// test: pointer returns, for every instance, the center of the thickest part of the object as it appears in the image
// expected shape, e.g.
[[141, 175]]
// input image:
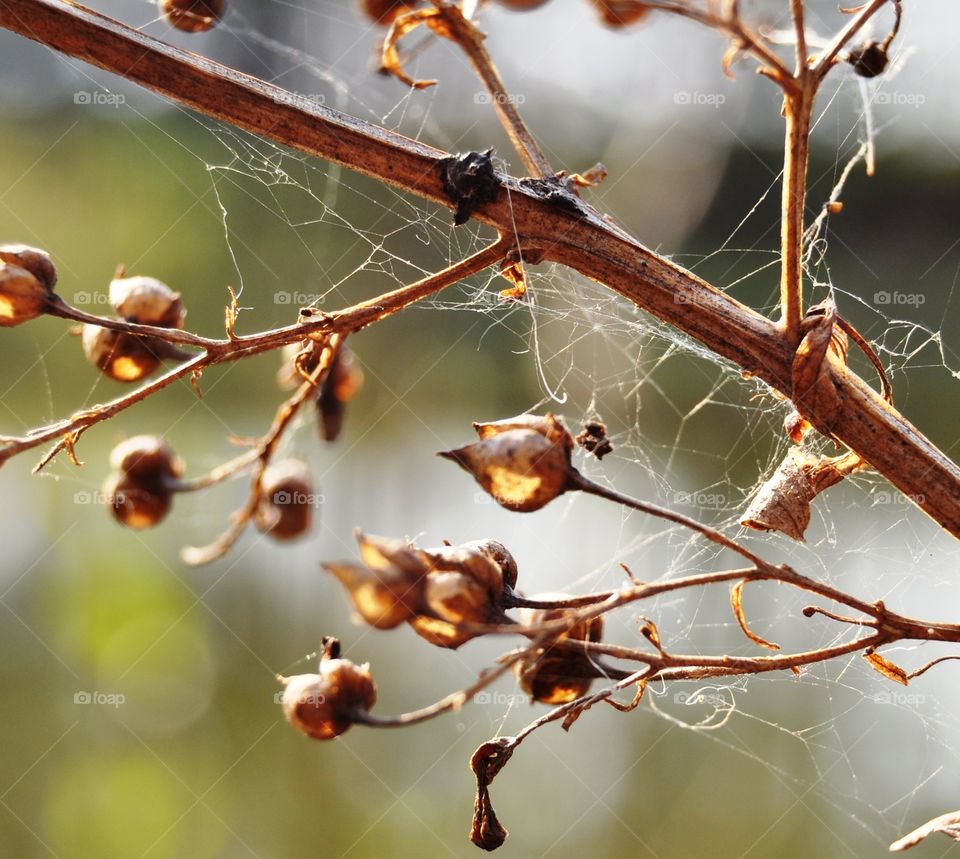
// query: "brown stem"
[[577, 237], [798, 109]]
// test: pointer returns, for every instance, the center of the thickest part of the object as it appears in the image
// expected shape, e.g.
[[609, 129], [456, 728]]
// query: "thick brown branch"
[[571, 234]]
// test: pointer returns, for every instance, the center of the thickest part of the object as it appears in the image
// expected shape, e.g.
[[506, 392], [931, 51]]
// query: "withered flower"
[[523, 463], [326, 704]]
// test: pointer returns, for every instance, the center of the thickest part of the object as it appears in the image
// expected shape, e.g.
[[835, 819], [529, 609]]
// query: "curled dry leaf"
[[883, 666], [813, 388], [514, 273], [948, 824], [736, 602], [593, 439], [783, 502], [523, 463], [400, 26], [487, 832]]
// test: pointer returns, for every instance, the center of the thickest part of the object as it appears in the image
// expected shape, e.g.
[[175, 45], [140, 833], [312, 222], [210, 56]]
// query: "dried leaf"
[[515, 274], [589, 179], [783, 502], [736, 602], [487, 832], [391, 62], [637, 698], [885, 667], [650, 632], [948, 824], [813, 390]]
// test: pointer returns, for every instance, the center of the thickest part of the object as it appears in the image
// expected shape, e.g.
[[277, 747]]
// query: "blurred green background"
[[138, 708]]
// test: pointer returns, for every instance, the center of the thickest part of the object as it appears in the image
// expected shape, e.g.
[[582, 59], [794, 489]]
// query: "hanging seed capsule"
[[34, 260], [22, 296], [193, 16], [384, 12], [340, 385], [140, 491], [326, 704], [523, 463], [146, 301], [286, 500], [123, 357], [558, 676]]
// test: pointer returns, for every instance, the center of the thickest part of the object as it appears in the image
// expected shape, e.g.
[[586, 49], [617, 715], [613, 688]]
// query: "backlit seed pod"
[[146, 457], [286, 500], [620, 13], [521, 5], [22, 296], [523, 462], [34, 260], [140, 491], [193, 16], [146, 301], [135, 503], [326, 704], [558, 676], [123, 357], [341, 384], [869, 60], [384, 12]]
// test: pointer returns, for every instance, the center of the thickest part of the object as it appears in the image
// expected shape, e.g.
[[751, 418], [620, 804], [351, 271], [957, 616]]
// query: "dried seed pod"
[[869, 60], [140, 491], [434, 590], [385, 12], [123, 357], [134, 503], [523, 462], [193, 16], [146, 457], [521, 5], [146, 301], [326, 704], [286, 500], [558, 676], [22, 296], [621, 13], [34, 260], [387, 588], [341, 384]]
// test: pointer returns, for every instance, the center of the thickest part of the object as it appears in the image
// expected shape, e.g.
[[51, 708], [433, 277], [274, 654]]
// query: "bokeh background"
[[138, 713]]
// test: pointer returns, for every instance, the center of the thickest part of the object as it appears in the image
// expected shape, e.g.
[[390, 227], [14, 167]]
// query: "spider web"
[[688, 431]]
